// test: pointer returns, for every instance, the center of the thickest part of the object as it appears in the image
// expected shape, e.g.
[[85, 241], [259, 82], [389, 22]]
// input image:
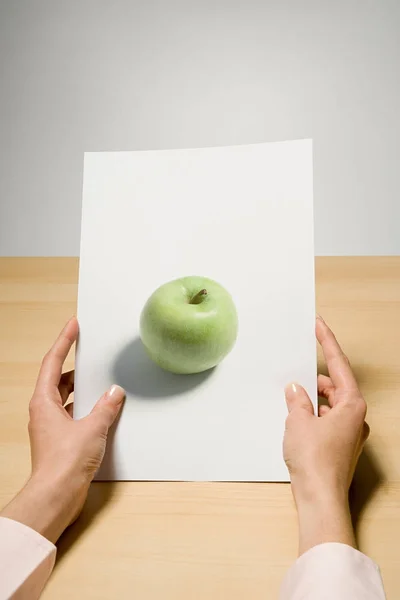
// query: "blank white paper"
[[243, 216]]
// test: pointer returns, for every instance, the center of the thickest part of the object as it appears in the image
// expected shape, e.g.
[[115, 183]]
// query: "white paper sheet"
[[243, 216]]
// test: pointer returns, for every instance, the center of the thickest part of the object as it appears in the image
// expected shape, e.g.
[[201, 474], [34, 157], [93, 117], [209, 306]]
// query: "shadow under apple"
[[141, 377]]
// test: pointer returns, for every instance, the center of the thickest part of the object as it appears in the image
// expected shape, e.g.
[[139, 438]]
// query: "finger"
[[297, 397], [326, 389], [323, 410], [107, 408], [70, 409], [338, 365], [66, 386], [51, 369]]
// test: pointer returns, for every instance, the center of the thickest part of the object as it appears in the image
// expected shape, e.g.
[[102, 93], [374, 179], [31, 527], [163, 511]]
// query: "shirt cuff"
[[331, 571], [26, 560]]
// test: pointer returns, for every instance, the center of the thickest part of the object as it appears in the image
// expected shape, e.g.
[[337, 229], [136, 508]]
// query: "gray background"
[[126, 75]]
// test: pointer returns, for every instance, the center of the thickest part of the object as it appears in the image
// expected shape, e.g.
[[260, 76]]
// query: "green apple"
[[189, 325]]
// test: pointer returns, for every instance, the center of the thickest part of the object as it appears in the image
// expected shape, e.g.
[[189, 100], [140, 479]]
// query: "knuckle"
[[346, 359], [46, 357], [289, 463], [32, 425], [102, 426], [296, 418], [96, 426], [47, 361], [288, 421], [33, 406], [361, 406]]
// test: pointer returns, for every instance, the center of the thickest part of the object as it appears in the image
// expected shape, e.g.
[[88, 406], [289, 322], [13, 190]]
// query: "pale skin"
[[65, 453], [321, 451]]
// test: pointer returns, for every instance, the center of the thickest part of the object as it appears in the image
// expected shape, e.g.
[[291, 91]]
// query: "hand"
[[322, 452], [65, 453]]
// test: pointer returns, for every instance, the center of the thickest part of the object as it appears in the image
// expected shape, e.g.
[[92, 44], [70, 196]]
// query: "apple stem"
[[199, 297]]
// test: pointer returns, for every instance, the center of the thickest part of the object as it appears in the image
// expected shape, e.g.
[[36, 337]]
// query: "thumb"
[[106, 410], [297, 397]]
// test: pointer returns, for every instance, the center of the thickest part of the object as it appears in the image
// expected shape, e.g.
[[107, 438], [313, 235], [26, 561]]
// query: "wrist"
[[324, 518], [63, 499], [47, 505], [318, 491]]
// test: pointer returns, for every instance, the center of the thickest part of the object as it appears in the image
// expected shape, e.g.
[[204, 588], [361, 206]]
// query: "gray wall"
[[125, 75]]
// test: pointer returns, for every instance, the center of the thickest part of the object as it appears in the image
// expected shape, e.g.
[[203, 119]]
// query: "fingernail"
[[320, 318], [291, 388], [116, 390]]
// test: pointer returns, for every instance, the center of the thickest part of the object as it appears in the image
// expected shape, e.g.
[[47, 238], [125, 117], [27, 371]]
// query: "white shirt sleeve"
[[26, 561], [333, 572]]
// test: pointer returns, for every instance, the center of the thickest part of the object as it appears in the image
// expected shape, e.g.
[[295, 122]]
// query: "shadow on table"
[[369, 475], [368, 478], [100, 494], [141, 377]]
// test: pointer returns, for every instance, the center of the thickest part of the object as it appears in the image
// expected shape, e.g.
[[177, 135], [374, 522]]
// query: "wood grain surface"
[[206, 540]]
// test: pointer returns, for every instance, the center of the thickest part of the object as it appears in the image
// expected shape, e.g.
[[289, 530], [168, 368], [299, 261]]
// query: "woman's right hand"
[[322, 452], [66, 453]]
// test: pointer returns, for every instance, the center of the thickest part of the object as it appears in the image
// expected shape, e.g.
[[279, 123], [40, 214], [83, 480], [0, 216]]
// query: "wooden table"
[[193, 540]]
